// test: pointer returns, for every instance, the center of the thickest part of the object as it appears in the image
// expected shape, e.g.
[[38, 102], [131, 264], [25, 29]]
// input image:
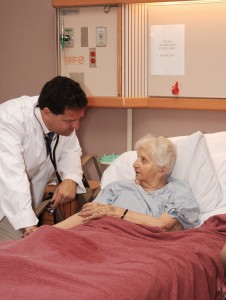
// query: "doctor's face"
[[65, 123]]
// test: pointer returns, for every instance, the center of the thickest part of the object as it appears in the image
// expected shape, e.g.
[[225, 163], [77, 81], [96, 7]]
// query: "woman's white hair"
[[161, 149]]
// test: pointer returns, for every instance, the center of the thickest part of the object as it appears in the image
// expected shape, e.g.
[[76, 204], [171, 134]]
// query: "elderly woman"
[[152, 199]]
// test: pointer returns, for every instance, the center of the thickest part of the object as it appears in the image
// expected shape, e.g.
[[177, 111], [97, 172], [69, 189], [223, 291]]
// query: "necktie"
[[49, 138]]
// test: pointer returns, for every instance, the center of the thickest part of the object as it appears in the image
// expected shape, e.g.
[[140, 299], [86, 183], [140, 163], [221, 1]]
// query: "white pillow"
[[204, 216], [193, 166], [216, 143], [121, 168]]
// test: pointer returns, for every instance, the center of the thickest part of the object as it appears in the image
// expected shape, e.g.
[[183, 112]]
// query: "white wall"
[[28, 51]]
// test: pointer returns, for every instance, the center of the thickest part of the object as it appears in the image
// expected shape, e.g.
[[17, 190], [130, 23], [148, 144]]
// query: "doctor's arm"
[[15, 186], [70, 171]]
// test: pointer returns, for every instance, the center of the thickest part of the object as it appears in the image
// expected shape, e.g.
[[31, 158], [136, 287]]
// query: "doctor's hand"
[[64, 192]]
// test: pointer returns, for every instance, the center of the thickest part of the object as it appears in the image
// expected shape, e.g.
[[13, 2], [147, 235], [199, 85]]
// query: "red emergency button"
[[92, 57]]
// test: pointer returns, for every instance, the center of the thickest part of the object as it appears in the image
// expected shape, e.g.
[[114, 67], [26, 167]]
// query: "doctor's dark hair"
[[62, 93], [161, 149]]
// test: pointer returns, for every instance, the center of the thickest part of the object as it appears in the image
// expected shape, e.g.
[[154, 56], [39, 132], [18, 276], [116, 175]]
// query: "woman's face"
[[145, 168]]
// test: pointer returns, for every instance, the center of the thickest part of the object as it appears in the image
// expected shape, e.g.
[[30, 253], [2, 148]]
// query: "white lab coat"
[[24, 166]]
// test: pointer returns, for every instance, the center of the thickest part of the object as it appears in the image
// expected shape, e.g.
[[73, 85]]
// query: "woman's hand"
[[96, 210], [28, 230]]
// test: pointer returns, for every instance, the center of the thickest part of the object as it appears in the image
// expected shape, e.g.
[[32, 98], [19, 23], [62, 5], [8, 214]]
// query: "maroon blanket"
[[115, 260]]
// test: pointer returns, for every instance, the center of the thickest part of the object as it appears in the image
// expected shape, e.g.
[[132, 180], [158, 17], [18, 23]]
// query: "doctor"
[[27, 155]]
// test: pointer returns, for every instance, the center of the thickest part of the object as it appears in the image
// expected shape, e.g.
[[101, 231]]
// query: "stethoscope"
[[51, 153]]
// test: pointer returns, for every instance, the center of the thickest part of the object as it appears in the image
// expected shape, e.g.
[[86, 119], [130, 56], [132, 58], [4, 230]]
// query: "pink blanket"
[[115, 260]]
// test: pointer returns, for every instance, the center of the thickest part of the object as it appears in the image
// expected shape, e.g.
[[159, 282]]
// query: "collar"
[[38, 115]]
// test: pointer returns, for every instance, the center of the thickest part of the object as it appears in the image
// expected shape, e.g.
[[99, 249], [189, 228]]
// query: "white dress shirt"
[[25, 167]]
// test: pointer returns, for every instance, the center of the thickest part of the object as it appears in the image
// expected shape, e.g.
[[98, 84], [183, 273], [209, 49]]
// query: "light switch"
[[101, 36]]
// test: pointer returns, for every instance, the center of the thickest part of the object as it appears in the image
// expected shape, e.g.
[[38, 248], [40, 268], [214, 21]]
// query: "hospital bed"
[[111, 258]]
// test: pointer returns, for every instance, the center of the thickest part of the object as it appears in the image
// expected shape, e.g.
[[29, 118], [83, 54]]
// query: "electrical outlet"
[[101, 36]]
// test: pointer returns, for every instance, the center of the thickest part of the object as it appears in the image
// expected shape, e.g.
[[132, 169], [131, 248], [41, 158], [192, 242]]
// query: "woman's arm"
[[70, 222], [92, 211]]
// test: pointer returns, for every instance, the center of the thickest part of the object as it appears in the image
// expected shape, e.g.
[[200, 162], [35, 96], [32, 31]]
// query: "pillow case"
[[121, 168], [216, 143], [193, 166]]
